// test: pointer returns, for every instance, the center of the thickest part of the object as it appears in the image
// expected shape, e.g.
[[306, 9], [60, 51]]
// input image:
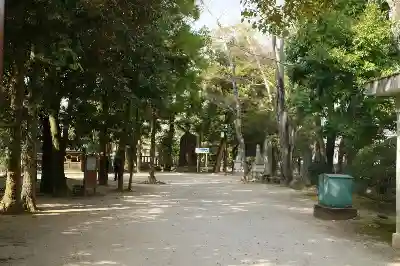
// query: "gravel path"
[[194, 220]]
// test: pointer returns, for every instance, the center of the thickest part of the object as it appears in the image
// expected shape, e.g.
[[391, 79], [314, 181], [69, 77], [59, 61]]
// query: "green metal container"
[[335, 190]]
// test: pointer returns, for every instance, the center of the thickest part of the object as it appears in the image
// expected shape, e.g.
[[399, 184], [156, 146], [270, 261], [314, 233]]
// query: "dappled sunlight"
[[260, 262], [152, 196], [122, 249], [47, 214], [139, 201], [247, 203], [301, 210], [238, 209], [81, 253], [102, 262], [54, 205], [205, 182], [155, 211], [207, 201], [194, 208], [396, 262], [278, 192], [208, 224], [43, 212], [330, 239]]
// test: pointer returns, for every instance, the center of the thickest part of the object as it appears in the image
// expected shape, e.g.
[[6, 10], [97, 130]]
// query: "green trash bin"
[[335, 190]]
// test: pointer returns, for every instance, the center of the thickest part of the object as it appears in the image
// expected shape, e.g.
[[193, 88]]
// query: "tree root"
[[11, 207], [29, 204]]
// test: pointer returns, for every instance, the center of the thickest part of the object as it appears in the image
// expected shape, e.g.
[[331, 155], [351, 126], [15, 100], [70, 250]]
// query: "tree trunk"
[[130, 157], [11, 201], [267, 155], [234, 155], [341, 156], [121, 155], [241, 156], [46, 182], [132, 149], [286, 150], [307, 160], [28, 193], [225, 157], [152, 177], [103, 171], [170, 143], [139, 154], [317, 152], [220, 153], [282, 114], [298, 165], [274, 160], [330, 150], [58, 153], [320, 151], [132, 152], [122, 144], [103, 141]]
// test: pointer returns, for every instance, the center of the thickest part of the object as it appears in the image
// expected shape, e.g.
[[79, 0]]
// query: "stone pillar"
[[267, 154], [396, 236], [238, 168], [259, 159]]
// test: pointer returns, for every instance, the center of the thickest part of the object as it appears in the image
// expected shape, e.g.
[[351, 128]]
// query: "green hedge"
[[375, 166]]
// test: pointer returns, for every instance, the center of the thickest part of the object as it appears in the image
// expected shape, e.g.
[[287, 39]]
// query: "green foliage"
[[219, 106], [105, 59], [375, 164], [330, 62], [332, 49], [268, 16]]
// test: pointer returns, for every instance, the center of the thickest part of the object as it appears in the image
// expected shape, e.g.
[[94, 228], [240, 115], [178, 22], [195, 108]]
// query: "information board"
[[91, 163], [202, 150]]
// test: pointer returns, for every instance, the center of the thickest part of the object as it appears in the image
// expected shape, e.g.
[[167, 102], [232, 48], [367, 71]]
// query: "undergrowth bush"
[[375, 167]]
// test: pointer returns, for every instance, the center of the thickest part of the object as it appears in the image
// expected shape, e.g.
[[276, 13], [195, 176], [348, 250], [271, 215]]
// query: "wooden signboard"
[[90, 174], [91, 180]]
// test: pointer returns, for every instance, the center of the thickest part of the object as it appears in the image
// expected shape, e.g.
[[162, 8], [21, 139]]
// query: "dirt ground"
[[195, 219]]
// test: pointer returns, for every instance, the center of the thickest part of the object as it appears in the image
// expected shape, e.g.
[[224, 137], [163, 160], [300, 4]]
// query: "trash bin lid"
[[338, 176]]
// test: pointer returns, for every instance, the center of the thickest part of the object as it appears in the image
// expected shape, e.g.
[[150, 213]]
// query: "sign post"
[[205, 151], [90, 173]]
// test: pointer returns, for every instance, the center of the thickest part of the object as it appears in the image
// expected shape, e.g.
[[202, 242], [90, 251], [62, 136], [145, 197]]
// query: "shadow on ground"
[[197, 220], [368, 223]]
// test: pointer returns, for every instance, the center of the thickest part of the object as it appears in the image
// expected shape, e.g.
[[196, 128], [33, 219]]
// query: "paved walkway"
[[194, 220]]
